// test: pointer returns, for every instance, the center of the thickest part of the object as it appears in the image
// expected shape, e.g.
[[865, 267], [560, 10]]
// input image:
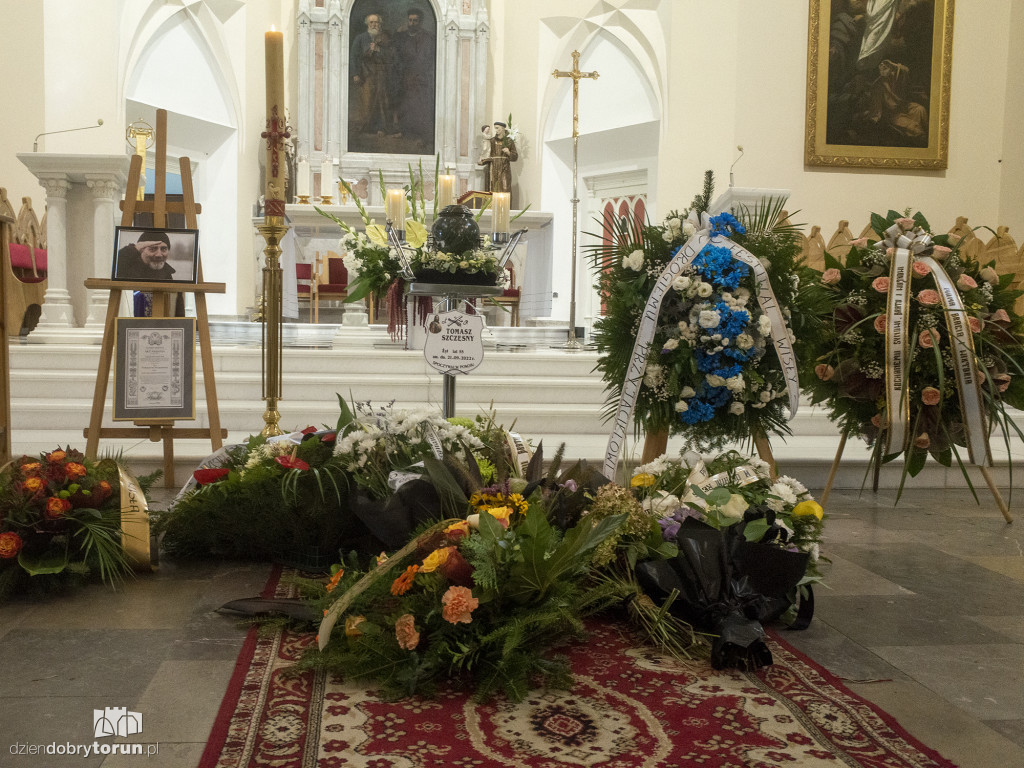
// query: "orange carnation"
[[403, 583], [459, 604], [405, 631]]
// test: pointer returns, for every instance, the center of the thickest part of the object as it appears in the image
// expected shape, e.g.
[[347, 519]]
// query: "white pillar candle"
[[394, 208], [445, 190], [327, 177], [500, 213], [302, 177]]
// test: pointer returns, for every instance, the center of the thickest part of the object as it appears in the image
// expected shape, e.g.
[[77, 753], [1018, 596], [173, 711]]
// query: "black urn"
[[455, 230]]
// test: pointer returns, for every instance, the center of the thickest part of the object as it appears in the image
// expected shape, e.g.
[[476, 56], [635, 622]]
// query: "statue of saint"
[[501, 154]]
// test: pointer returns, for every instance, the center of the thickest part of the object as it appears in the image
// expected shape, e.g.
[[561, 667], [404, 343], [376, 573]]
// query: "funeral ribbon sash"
[[897, 352], [967, 376], [706, 482], [649, 323]]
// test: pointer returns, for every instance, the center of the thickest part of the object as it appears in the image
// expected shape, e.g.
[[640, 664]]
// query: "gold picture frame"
[[878, 88]]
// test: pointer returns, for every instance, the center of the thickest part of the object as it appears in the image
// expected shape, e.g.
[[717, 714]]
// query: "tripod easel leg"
[[764, 450], [835, 468], [995, 493]]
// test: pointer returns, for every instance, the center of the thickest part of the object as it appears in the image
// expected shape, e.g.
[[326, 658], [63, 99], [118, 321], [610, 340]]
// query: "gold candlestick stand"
[[273, 230]]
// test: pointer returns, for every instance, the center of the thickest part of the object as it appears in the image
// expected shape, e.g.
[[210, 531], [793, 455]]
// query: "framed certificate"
[[155, 372]]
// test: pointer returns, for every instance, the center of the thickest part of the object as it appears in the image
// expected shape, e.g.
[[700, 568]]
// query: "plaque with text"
[[454, 342]]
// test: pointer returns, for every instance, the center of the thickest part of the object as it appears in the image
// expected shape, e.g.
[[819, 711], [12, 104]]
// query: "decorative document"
[[454, 342], [155, 373]]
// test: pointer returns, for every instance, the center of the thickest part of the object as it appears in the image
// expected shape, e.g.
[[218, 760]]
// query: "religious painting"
[[154, 374], [392, 58], [878, 81], [156, 255]]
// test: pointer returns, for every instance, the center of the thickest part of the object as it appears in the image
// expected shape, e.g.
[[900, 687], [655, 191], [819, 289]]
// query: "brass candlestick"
[[273, 230], [303, 199], [326, 200]]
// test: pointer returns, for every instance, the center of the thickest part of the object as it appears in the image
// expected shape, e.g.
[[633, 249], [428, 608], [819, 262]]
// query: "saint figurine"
[[501, 153]]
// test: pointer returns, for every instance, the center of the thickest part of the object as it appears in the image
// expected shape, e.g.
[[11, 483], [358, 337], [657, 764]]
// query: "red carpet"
[[630, 708]]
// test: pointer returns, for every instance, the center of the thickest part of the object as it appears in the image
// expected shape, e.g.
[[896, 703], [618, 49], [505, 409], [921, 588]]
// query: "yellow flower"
[[643, 480], [809, 507], [382, 558], [436, 559], [415, 233], [377, 235], [501, 514], [352, 625]]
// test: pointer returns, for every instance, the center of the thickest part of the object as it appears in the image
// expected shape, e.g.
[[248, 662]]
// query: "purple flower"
[[570, 485], [669, 528]]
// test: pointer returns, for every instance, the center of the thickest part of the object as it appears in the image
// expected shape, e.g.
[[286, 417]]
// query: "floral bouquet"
[[476, 267], [60, 513], [947, 327], [711, 371], [281, 497], [748, 549], [482, 600]]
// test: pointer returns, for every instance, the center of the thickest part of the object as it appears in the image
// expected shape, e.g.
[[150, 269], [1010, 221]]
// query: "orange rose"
[[975, 324], [928, 338], [824, 371], [334, 580], [34, 466], [929, 297], [405, 631], [459, 604], [56, 508], [880, 323], [10, 545], [456, 531], [930, 396], [33, 485], [75, 470], [880, 284], [56, 456]]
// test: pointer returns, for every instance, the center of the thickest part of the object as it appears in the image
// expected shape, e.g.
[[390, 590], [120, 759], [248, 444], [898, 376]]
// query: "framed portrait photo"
[[878, 82], [156, 255], [154, 374]]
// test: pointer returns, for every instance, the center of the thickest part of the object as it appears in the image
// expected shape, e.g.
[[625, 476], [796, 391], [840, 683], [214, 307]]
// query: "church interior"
[[920, 610]]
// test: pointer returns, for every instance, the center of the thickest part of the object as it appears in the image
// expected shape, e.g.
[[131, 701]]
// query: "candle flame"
[[273, 28]]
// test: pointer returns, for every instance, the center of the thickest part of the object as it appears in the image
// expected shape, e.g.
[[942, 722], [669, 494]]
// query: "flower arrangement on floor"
[[845, 365], [711, 372], [279, 497], [60, 516]]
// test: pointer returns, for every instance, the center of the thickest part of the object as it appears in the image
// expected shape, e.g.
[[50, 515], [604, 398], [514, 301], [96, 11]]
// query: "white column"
[[337, 68], [57, 311], [105, 190]]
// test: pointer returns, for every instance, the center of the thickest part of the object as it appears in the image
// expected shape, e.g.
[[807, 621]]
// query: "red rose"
[[288, 462], [211, 475], [457, 569], [56, 508], [101, 492], [10, 545]]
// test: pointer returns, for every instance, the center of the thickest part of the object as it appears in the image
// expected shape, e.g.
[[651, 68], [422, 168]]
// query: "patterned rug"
[[630, 708]]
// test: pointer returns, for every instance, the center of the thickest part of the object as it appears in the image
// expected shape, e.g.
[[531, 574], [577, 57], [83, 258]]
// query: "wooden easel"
[[157, 429], [7, 220]]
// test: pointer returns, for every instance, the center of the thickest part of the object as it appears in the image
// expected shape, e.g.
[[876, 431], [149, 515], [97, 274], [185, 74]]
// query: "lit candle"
[[302, 177], [445, 190], [394, 208], [327, 177], [500, 215], [275, 132]]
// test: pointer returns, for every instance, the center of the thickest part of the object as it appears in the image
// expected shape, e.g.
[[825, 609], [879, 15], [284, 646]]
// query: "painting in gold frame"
[[878, 80]]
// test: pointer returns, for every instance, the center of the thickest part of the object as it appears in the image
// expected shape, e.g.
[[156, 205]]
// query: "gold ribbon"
[[134, 521]]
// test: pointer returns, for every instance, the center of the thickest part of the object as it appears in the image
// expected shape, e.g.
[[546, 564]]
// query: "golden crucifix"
[[576, 75]]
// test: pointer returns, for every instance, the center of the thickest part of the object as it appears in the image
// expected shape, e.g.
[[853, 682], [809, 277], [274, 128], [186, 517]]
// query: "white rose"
[[670, 344], [688, 228], [704, 290], [744, 341], [687, 392], [709, 318], [736, 408], [735, 507], [682, 407], [742, 295], [715, 380], [673, 224], [735, 383], [634, 261], [681, 283], [764, 325], [765, 396], [989, 275], [663, 504]]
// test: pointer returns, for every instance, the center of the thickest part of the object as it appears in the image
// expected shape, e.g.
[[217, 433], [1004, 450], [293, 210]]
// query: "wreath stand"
[[989, 480], [157, 429]]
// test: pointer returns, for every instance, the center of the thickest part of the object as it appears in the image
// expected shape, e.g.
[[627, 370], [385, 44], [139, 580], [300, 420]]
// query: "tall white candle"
[[445, 190], [327, 177], [275, 131], [302, 177], [500, 215], [394, 208]]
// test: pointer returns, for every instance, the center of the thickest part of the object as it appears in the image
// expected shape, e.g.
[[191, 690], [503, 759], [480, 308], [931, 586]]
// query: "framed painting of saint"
[[392, 63], [878, 82]]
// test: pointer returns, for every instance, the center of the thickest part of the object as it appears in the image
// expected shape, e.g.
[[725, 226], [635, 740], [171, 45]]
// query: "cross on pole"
[[576, 75]]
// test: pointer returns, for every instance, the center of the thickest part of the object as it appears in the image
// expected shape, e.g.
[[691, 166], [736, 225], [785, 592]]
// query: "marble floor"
[[923, 614]]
